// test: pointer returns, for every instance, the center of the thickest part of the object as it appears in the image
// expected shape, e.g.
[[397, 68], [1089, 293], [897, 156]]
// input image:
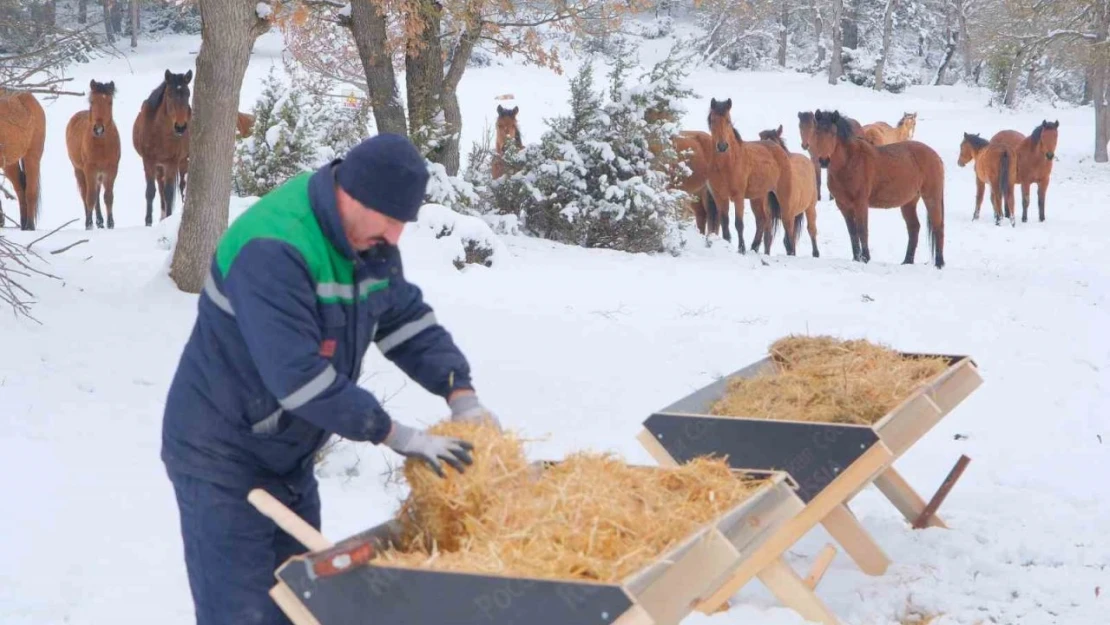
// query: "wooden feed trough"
[[341, 585], [829, 462]]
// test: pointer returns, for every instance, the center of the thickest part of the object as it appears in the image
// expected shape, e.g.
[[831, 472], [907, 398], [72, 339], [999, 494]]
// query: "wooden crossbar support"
[[857, 543], [820, 565], [794, 529], [942, 492], [905, 498], [793, 592]]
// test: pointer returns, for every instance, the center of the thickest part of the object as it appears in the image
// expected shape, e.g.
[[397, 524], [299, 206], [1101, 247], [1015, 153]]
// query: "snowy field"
[[580, 346]]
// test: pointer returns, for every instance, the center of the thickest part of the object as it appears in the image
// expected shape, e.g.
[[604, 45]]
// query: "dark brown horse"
[[507, 132], [92, 141], [806, 126], [244, 124], [1035, 155], [804, 198], [22, 140], [161, 137], [996, 165], [863, 176], [755, 170]]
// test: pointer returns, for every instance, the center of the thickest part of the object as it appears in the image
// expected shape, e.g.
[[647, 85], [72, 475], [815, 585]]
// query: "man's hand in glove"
[[465, 407], [430, 448]]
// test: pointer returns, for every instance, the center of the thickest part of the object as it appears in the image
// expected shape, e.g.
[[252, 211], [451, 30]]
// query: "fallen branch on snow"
[[16, 260]]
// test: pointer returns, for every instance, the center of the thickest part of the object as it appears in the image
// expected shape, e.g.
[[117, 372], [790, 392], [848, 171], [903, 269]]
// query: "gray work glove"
[[468, 409], [429, 448]]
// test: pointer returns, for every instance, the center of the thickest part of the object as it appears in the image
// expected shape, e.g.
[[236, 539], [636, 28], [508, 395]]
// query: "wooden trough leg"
[[856, 541], [904, 497], [820, 565], [285, 599], [794, 593], [942, 492]]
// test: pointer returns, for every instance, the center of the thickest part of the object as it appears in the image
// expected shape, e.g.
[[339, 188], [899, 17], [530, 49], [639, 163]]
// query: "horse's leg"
[[160, 180], [759, 210], [788, 234], [979, 184], [850, 222], [913, 229], [110, 196], [98, 184], [862, 213], [83, 188], [811, 226], [1042, 189], [92, 191], [148, 170], [1024, 202]]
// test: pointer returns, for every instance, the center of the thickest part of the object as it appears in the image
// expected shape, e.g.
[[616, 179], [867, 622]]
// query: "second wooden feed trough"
[[343, 585], [830, 462]]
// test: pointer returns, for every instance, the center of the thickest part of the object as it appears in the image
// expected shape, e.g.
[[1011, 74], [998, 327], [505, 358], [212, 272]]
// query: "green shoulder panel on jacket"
[[285, 214]]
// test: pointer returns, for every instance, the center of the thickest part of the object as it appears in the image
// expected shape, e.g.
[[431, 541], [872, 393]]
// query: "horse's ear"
[[516, 109], [188, 76], [712, 102], [168, 76], [500, 111], [779, 131], [92, 84], [728, 104]]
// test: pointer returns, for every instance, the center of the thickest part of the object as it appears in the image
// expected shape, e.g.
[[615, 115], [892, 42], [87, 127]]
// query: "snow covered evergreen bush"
[[592, 180], [297, 128]]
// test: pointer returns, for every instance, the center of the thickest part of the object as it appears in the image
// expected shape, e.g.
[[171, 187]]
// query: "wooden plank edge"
[[820, 566], [905, 499], [287, 600]]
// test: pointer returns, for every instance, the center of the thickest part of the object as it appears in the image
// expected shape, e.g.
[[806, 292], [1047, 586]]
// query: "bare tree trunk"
[[836, 65], [1010, 97], [52, 14], [888, 33], [368, 27], [451, 113], [134, 23], [950, 51], [965, 36], [849, 24], [1102, 132], [82, 11], [228, 31], [784, 31], [818, 29], [424, 83], [108, 20]]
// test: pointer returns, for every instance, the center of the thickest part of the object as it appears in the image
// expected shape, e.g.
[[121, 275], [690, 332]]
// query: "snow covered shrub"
[[859, 69], [297, 128], [592, 180], [466, 239], [451, 191]]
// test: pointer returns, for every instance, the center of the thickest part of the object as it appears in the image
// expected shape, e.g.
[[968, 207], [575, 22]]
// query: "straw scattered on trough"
[[824, 379], [590, 516]]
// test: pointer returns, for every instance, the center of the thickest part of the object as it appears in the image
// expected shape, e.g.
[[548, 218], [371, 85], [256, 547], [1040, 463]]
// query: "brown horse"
[[244, 124], [996, 165], [695, 149], [161, 137], [755, 170], [882, 133], [803, 201], [92, 141], [507, 132], [1035, 155], [22, 140], [864, 176], [806, 126]]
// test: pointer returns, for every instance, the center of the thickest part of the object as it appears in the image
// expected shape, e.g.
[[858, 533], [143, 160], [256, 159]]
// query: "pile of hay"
[[828, 380], [591, 516]]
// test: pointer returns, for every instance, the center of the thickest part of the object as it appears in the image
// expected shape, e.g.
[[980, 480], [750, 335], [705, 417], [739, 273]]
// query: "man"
[[300, 285]]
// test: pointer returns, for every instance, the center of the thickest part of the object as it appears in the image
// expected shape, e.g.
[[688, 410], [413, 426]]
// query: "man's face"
[[364, 226]]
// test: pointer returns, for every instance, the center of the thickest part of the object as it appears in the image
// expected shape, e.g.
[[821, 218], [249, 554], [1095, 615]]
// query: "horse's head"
[[829, 128], [775, 134], [805, 128], [1045, 136], [969, 147], [909, 122], [100, 105], [507, 128], [720, 123], [177, 98]]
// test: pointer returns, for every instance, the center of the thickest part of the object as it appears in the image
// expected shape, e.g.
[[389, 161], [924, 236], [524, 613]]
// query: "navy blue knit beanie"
[[387, 174]]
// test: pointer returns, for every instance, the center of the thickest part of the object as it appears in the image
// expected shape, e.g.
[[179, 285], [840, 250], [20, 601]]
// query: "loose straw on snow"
[[823, 379], [590, 516]]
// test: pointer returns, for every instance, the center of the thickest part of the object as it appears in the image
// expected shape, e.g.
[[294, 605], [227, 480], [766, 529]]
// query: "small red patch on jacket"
[[327, 348]]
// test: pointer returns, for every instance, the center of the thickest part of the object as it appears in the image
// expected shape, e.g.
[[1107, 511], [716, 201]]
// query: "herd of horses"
[[869, 166], [160, 135]]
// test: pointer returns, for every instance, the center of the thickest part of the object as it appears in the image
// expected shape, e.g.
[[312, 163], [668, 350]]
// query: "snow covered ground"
[[580, 346]]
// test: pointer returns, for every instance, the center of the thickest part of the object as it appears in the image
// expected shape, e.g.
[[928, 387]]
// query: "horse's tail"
[[936, 232], [797, 230], [1004, 182], [776, 212], [711, 211]]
